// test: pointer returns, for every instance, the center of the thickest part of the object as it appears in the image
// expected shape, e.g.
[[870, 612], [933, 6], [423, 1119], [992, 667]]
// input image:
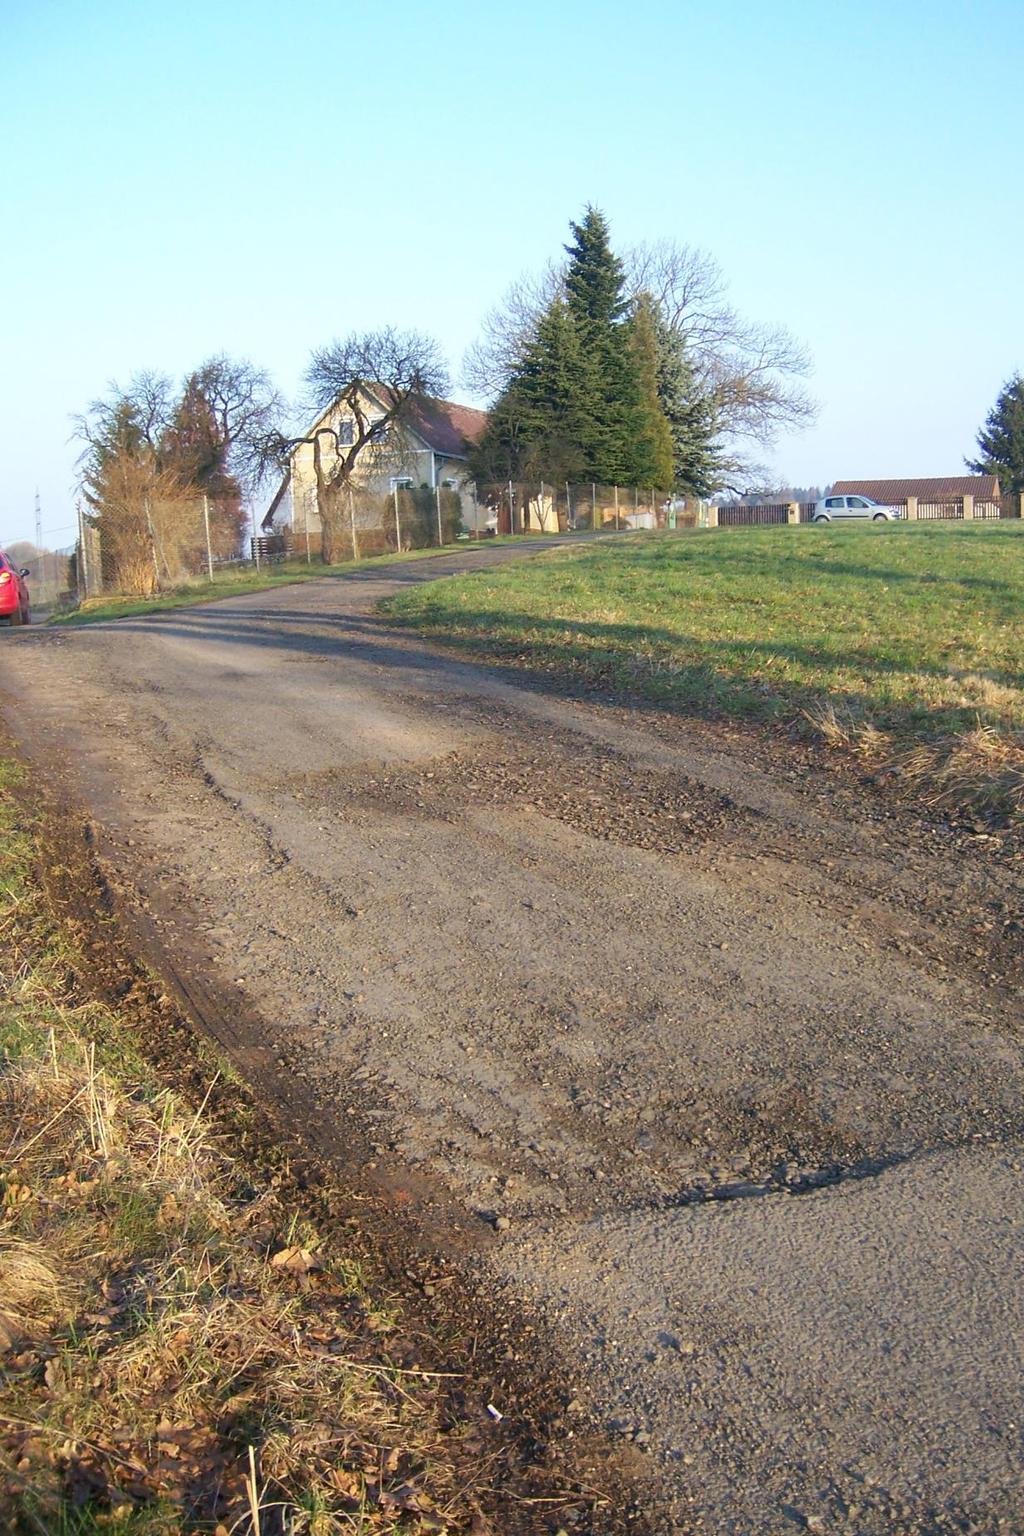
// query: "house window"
[[378, 431], [449, 485], [401, 482], [346, 432]]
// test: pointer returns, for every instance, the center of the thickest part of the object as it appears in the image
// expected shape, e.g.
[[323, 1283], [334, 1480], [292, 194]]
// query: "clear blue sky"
[[258, 178]]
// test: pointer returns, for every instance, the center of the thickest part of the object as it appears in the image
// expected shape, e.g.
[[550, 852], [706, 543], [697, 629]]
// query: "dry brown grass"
[[984, 768], [30, 1290], [180, 1351]]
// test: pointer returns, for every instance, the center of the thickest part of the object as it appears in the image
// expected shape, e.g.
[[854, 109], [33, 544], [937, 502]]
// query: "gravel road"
[[716, 1056]]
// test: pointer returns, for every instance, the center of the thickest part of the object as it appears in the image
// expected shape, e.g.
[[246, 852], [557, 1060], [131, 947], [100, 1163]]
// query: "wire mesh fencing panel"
[[140, 543], [547, 506]]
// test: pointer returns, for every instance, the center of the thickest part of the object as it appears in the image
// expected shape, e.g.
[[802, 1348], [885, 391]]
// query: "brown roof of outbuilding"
[[981, 487]]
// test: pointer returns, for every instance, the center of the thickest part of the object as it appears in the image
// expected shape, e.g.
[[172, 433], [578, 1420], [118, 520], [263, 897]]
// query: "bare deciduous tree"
[[151, 455], [750, 373], [370, 381], [507, 329], [242, 406]]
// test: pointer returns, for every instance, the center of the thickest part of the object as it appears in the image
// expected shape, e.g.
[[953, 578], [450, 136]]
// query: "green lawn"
[[917, 632]]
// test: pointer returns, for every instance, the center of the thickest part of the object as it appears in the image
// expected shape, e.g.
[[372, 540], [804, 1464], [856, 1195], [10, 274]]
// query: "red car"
[[14, 604]]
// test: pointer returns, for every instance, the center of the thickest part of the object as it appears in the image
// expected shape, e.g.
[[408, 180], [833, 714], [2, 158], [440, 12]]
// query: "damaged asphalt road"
[[716, 1057]]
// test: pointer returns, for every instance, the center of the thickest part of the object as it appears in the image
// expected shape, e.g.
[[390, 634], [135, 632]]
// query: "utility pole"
[[440, 534], [398, 525]]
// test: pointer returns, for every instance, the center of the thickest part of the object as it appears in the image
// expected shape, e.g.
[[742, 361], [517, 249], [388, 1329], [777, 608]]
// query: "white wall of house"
[[413, 461]]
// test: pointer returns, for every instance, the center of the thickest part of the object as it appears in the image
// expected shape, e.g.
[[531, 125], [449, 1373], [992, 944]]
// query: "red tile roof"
[[981, 487]]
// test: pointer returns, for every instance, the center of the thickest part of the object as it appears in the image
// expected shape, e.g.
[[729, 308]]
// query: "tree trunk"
[[331, 516]]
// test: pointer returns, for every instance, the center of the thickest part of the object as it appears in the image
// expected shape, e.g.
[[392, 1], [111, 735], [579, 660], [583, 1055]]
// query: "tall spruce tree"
[[690, 414], [609, 401], [653, 446], [1001, 440], [534, 428], [584, 399], [551, 383]]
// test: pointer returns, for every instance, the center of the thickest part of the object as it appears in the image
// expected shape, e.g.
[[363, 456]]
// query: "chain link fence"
[[152, 544], [544, 506]]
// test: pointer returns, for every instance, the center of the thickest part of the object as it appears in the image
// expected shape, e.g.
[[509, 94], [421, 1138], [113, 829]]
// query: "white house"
[[430, 447]]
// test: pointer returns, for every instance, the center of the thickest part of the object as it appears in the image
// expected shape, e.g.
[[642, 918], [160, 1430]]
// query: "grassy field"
[[236, 583], [180, 1349], [893, 639]]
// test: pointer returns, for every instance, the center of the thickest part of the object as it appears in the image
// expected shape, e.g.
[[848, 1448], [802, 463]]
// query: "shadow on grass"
[[547, 637], [720, 560], [546, 657]]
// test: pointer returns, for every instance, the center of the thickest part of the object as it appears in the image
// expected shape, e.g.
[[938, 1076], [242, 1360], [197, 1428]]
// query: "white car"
[[839, 508]]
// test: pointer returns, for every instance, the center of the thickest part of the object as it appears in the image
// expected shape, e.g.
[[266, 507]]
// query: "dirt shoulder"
[[323, 1332], [678, 1047]]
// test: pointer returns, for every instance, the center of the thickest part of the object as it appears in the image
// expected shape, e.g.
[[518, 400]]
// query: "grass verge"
[[237, 583], [901, 642], [180, 1350]]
